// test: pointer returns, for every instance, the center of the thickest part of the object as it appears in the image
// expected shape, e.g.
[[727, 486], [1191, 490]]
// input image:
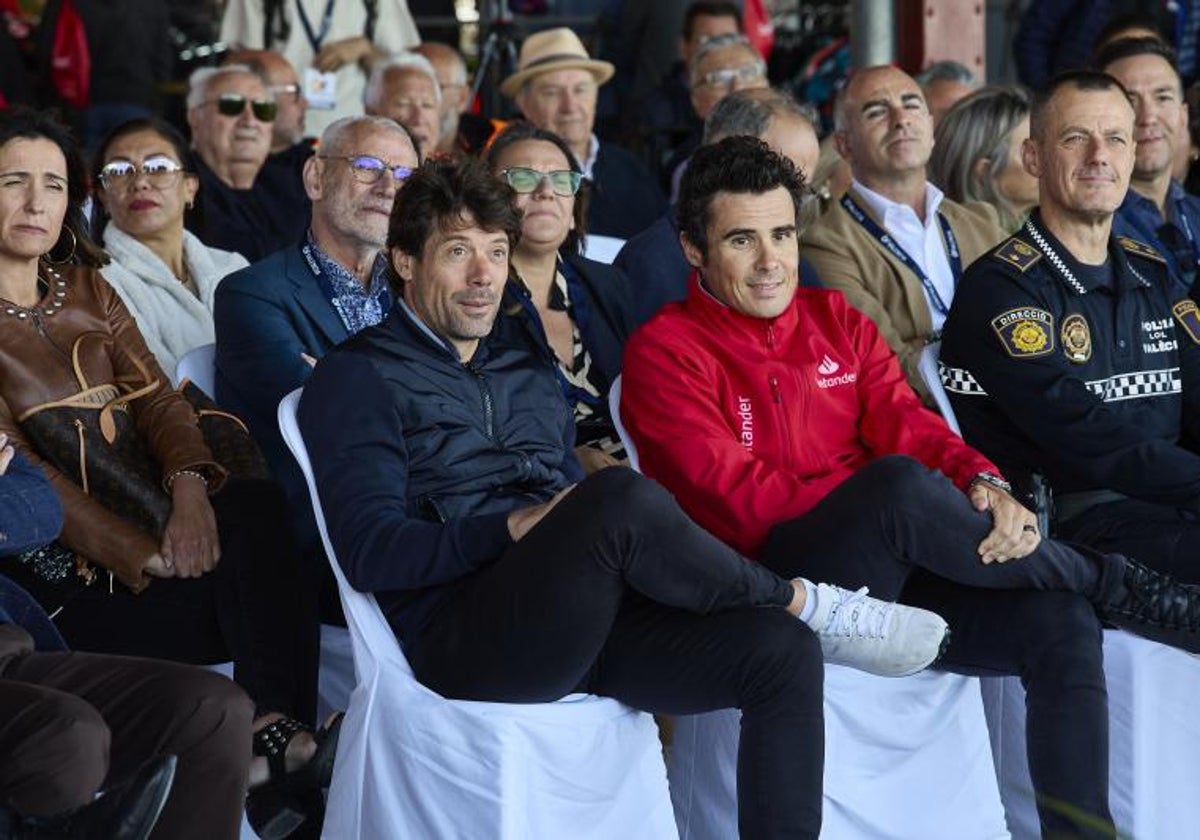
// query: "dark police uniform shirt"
[[1050, 368]]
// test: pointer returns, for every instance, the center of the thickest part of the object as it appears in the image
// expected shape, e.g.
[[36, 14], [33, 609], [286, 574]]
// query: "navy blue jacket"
[[1090, 385], [1178, 241], [419, 458], [267, 315], [256, 222], [30, 517], [658, 272], [625, 198]]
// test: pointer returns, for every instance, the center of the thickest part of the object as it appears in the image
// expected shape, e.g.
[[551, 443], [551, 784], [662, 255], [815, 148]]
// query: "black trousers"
[[616, 592], [1161, 536], [909, 534], [72, 723], [258, 608]]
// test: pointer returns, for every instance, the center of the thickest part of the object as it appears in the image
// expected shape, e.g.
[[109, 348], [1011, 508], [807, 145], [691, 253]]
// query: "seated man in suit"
[[275, 318], [895, 245]]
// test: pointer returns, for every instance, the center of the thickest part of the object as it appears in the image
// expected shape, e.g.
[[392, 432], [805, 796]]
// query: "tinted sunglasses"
[[564, 182], [234, 104], [160, 171], [367, 169]]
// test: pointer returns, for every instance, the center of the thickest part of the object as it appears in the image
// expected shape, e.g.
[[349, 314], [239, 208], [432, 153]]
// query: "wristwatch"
[[997, 481]]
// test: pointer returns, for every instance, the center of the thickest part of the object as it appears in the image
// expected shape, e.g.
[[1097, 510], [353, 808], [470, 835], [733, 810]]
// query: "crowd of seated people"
[[885, 303]]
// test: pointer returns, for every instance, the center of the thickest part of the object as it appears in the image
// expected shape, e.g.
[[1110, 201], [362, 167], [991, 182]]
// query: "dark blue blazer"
[[625, 197], [267, 315]]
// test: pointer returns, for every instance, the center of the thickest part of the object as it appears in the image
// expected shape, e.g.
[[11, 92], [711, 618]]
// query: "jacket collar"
[[724, 319], [307, 293]]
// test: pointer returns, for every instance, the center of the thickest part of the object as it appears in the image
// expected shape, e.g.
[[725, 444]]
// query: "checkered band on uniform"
[[1128, 386], [959, 381]]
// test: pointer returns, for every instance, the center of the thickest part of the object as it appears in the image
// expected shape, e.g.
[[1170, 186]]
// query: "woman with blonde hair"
[[977, 153]]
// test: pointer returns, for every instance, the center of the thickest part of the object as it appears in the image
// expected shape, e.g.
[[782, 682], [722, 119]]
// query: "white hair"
[[398, 61], [331, 138], [200, 79]]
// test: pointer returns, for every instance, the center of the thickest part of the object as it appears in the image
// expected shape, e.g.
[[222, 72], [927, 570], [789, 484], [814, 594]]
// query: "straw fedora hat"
[[553, 49]]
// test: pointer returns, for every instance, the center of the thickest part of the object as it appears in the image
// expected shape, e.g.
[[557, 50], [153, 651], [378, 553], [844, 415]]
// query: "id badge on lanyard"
[[320, 89]]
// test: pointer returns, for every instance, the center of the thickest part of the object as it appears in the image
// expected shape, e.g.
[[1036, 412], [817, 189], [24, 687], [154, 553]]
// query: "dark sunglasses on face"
[[234, 104], [368, 169], [159, 170], [564, 182]]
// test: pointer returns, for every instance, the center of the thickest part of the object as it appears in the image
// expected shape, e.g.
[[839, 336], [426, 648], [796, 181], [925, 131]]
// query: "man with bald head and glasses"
[[275, 318], [231, 111]]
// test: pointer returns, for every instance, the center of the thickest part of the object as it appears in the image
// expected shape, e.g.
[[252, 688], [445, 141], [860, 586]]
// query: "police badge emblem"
[[1076, 338], [1025, 333], [1188, 316]]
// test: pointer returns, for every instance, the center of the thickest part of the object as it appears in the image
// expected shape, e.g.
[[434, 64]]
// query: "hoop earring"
[[68, 257]]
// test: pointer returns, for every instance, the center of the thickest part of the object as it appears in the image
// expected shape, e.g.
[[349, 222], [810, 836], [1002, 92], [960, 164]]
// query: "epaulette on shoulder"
[[1018, 253], [1140, 249]]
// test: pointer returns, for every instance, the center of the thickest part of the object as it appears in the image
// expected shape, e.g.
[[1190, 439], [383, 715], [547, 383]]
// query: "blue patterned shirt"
[[358, 307]]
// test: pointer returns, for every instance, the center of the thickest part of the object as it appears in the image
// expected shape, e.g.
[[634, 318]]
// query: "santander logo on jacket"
[[750, 422]]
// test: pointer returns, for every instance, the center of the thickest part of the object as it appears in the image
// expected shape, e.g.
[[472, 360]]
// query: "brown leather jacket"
[[36, 367]]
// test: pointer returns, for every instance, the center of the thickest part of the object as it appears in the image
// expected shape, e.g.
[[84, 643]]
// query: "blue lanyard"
[[315, 38], [860, 216]]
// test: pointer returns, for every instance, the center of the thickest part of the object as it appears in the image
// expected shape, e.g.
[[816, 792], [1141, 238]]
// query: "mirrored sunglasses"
[[160, 171], [564, 182], [234, 104], [367, 169]]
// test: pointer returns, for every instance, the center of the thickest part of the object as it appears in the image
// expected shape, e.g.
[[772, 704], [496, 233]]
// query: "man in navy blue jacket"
[[451, 492]]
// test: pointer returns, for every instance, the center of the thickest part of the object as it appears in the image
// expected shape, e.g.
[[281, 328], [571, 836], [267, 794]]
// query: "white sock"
[[810, 601]]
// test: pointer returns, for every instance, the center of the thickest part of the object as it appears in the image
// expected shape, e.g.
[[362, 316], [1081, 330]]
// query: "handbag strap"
[[108, 426]]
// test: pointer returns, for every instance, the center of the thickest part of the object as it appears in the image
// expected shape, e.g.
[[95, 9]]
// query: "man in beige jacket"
[[895, 245]]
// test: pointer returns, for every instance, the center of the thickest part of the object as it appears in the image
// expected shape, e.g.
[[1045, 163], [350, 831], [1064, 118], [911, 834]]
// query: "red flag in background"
[[758, 27]]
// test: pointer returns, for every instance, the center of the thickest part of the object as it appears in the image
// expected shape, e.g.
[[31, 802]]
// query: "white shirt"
[[593, 153], [925, 245]]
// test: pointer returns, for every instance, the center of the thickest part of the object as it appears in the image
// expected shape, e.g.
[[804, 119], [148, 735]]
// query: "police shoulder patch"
[[1026, 332], [1188, 315], [1018, 253], [1140, 249]]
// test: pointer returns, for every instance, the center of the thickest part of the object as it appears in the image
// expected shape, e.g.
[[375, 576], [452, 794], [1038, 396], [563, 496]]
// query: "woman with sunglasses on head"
[[162, 554], [165, 275], [578, 309]]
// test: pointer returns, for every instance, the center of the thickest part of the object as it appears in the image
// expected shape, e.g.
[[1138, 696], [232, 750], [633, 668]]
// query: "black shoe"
[[1157, 607], [125, 812]]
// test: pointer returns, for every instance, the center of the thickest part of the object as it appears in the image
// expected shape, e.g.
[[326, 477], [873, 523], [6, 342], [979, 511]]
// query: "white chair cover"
[[1154, 741], [199, 365], [412, 764], [904, 758]]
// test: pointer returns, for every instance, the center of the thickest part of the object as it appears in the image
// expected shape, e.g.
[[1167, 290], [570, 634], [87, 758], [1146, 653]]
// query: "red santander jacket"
[[750, 422]]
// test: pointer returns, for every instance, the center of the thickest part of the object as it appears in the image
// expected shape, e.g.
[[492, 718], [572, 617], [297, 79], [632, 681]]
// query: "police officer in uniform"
[[1069, 353]]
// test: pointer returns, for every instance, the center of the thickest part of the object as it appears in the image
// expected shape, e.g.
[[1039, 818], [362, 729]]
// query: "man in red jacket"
[[783, 424]]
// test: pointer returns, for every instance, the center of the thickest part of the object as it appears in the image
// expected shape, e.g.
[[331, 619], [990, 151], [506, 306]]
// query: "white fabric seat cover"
[[412, 764], [200, 366], [1154, 741], [905, 758]]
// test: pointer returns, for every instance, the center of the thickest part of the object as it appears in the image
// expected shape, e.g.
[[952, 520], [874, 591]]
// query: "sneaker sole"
[[945, 643]]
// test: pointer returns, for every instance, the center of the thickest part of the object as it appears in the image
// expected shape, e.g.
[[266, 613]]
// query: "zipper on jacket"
[[776, 396], [771, 338], [485, 394], [38, 324]]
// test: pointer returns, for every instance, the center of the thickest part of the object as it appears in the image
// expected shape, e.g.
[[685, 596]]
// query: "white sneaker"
[[890, 640]]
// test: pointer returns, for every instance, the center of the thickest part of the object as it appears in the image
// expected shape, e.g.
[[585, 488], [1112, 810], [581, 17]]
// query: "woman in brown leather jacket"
[[220, 579]]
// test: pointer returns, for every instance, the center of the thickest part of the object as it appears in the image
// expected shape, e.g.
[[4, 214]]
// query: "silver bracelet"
[[192, 473], [994, 480]]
